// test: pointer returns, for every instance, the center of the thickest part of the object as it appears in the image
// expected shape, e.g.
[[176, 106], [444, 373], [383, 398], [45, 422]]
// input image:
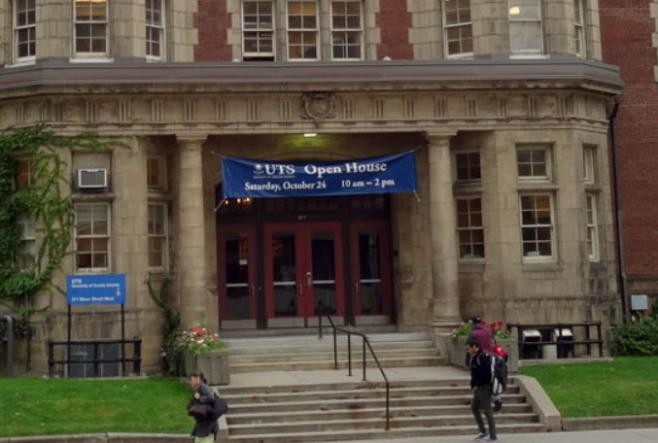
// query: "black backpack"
[[498, 374]]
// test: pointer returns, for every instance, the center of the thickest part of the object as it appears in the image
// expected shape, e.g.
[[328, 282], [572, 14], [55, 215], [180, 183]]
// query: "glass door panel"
[[284, 268], [237, 276], [371, 268], [323, 279], [236, 273], [370, 282]]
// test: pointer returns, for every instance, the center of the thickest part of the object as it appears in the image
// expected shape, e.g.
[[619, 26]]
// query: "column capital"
[[191, 140], [441, 138]]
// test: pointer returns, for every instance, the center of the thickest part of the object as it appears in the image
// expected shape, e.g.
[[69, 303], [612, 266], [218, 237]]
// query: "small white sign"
[[639, 302]]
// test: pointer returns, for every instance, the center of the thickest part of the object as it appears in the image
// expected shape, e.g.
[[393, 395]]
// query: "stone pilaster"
[[191, 260], [490, 26], [443, 228], [54, 29]]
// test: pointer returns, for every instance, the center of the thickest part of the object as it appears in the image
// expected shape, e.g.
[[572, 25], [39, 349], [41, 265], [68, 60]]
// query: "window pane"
[[525, 37], [525, 9]]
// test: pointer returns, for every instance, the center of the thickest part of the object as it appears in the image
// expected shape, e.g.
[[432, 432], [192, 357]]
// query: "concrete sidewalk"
[[625, 436]]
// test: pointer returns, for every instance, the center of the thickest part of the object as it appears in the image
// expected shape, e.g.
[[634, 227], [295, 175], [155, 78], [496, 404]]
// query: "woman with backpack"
[[201, 409]]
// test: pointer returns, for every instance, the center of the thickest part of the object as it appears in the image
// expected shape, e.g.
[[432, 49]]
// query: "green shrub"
[[638, 338]]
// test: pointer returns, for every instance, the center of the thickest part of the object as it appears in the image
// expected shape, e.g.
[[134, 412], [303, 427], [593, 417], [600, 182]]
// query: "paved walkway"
[[626, 436]]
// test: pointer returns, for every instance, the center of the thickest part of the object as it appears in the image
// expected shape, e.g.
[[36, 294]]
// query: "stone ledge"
[[614, 422], [564, 361], [541, 403], [102, 438]]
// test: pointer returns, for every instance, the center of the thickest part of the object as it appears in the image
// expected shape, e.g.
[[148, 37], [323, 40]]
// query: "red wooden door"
[[370, 258], [303, 267]]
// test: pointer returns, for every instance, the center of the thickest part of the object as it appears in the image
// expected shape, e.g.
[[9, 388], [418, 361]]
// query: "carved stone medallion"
[[318, 105]]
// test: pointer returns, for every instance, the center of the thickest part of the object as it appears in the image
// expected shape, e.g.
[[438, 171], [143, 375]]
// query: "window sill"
[[93, 271], [467, 187], [158, 195], [540, 266], [536, 186], [471, 267], [91, 60], [528, 56], [466, 55], [107, 196], [593, 187], [21, 63]]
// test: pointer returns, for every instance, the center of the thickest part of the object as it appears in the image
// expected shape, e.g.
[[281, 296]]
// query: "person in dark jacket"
[[481, 387], [205, 428]]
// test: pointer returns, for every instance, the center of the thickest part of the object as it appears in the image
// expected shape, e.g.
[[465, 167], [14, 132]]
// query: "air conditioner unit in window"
[[92, 178]]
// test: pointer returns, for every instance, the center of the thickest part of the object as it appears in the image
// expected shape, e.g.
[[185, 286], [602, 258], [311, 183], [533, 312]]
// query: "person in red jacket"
[[482, 334]]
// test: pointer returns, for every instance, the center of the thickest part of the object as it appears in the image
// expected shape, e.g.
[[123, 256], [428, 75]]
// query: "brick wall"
[[394, 21], [212, 21], [626, 28]]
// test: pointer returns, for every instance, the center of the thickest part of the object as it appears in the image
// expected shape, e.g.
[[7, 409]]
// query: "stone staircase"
[[354, 411], [307, 353]]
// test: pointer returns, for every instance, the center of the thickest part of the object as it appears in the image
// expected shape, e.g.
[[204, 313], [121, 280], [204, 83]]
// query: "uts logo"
[[274, 169]]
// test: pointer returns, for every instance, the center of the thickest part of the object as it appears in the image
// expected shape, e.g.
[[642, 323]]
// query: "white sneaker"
[[482, 437]]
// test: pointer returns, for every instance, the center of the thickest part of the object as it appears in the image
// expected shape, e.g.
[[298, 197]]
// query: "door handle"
[[309, 279]]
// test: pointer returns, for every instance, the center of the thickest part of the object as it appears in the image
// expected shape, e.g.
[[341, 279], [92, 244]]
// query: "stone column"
[[191, 254], [443, 230]]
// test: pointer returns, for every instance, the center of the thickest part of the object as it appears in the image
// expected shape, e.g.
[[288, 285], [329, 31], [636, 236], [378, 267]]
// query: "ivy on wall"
[[45, 201]]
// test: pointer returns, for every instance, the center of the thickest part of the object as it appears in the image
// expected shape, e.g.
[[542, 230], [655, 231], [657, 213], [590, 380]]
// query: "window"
[[525, 30], [592, 228], [92, 236], [26, 255], [534, 163], [469, 228], [23, 173], [537, 226], [579, 27], [346, 30], [155, 27], [457, 28], [257, 30], [157, 233], [302, 30], [156, 173], [468, 166], [589, 164], [25, 30], [91, 28]]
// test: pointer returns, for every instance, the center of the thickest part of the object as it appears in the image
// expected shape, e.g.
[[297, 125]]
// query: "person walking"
[[205, 427], [482, 334], [481, 386]]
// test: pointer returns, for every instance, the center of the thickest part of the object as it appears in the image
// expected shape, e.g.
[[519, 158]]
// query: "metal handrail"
[[365, 343]]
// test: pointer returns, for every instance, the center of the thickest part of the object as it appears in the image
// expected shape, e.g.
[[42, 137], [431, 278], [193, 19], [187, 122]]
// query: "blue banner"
[[96, 289], [375, 175]]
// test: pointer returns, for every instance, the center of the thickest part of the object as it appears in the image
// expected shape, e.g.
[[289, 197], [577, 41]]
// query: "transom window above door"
[[297, 31]]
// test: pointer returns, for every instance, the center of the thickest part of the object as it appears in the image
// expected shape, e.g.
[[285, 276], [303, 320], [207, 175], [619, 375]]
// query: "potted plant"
[[457, 345], [205, 352]]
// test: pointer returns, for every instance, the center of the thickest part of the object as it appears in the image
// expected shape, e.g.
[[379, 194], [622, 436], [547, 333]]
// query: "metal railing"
[[365, 343], [568, 343], [96, 361]]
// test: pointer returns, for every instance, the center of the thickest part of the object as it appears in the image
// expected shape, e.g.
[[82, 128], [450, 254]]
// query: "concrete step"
[[323, 354], [311, 331], [419, 345], [356, 394], [373, 423], [258, 406], [327, 338], [314, 365], [357, 414], [262, 390], [356, 434]]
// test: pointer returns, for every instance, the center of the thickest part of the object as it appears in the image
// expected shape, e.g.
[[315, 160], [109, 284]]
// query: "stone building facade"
[[503, 102], [628, 31]]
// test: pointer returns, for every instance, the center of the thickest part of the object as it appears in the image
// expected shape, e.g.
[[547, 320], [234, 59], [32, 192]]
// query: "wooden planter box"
[[457, 352], [214, 365]]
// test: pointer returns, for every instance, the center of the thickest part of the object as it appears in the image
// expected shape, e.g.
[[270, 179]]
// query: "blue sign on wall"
[[263, 178], [96, 289]]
